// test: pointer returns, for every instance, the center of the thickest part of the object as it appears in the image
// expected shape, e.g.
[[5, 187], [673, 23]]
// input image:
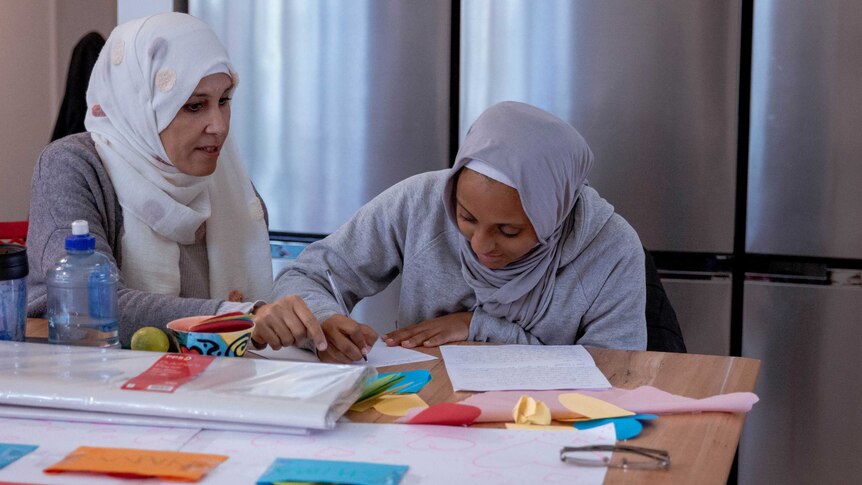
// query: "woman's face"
[[196, 135], [490, 215]]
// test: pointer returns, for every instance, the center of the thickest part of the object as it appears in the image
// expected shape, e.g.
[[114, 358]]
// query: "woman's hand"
[[284, 323], [454, 327], [348, 340]]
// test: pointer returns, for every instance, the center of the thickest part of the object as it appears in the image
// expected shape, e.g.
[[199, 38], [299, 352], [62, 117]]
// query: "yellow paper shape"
[[536, 427], [591, 407], [573, 419], [399, 404], [531, 411], [169, 465]]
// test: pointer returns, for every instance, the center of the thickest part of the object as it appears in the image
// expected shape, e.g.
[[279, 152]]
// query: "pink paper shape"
[[497, 406], [447, 413]]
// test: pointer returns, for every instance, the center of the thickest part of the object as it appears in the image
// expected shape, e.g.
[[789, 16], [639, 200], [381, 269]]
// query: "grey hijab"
[[548, 161]]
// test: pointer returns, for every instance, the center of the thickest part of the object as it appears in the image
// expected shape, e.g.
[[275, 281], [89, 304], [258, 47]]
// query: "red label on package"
[[169, 372]]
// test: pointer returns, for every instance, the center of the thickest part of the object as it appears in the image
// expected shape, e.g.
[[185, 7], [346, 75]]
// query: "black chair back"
[[663, 332]]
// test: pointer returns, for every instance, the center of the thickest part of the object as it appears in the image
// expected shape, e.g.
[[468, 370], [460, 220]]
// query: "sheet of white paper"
[[469, 455], [521, 367], [380, 355], [472, 455], [294, 354], [56, 439]]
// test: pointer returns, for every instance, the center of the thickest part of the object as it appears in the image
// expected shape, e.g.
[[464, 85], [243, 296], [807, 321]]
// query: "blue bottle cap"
[[80, 239]]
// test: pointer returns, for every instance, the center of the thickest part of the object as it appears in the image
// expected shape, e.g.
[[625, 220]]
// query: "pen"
[[339, 299]]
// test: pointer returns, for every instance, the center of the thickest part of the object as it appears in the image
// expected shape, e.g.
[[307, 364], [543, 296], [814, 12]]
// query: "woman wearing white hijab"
[[508, 246], [158, 180]]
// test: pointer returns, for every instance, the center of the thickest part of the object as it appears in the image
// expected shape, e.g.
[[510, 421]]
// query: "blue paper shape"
[[10, 453], [415, 380], [626, 427], [325, 471]]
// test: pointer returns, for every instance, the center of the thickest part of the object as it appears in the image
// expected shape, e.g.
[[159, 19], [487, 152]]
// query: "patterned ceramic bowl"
[[222, 344]]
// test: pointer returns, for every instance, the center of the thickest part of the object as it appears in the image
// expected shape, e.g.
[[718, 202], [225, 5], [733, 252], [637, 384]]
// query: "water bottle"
[[13, 292], [82, 294]]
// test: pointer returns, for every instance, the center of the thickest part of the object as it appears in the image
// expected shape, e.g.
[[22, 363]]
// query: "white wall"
[[36, 42]]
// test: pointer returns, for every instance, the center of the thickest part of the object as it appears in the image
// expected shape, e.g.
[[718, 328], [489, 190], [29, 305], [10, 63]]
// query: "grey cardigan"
[[70, 183], [598, 299]]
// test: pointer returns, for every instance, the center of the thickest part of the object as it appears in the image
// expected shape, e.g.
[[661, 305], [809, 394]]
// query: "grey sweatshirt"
[[70, 183], [598, 299]]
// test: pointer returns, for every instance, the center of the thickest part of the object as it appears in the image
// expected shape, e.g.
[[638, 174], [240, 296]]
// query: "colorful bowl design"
[[224, 344]]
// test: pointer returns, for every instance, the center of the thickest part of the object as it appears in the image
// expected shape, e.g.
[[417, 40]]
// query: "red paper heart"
[[448, 414]]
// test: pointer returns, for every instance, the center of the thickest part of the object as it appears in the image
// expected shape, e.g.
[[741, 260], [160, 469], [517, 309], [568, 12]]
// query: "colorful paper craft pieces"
[[288, 470], [399, 404], [590, 407], [447, 414], [416, 380], [497, 406], [9, 452], [626, 427], [376, 389], [130, 463], [531, 411]]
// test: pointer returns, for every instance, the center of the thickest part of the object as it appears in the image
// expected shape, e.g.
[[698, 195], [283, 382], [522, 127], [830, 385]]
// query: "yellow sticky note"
[[531, 411], [169, 465], [591, 407], [399, 404], [535, 427]]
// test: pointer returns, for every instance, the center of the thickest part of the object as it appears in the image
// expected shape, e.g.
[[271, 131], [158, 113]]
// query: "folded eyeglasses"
[[633, 457]]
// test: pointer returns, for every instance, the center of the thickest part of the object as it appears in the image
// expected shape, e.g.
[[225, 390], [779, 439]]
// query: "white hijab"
[[547, 162], [145, 73]]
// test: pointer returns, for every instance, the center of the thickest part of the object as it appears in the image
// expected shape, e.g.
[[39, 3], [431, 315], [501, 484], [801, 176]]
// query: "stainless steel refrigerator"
[[803, 299]]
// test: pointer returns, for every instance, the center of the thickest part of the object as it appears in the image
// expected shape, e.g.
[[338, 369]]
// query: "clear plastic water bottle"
[[82, 294]]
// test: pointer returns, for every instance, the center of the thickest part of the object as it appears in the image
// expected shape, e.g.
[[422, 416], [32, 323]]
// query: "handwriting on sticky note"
[[169, 465], [10, 453], [325, 471], [591, 407]]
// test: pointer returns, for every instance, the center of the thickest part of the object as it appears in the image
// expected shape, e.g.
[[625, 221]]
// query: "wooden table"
[[701, 446]]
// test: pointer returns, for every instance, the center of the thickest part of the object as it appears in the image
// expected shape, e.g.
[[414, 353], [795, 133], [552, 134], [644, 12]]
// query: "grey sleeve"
[[364, 255], [63, 192], [487, 328], [617, 317]]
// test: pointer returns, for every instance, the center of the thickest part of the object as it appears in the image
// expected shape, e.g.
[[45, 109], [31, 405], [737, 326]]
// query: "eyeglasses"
[[644, 458]]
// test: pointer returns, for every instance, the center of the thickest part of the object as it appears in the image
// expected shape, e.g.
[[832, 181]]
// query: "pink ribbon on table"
[[497, 406]]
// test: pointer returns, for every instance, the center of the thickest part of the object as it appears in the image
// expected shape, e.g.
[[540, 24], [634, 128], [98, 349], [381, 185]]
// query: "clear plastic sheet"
[[230, 390]]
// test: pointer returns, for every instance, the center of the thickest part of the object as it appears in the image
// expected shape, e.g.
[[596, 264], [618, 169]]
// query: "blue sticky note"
[[415, 380], [10, 453], [325, 471], [626, 427]]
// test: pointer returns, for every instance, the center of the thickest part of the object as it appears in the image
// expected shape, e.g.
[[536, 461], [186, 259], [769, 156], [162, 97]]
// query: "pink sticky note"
[[448, 414]]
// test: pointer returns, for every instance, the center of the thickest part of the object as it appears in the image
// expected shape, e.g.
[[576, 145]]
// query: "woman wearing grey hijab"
[[510, 245]]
